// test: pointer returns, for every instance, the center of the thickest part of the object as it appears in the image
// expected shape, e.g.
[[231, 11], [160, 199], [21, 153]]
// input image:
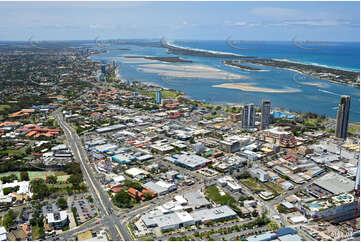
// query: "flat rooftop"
[[335, 183]]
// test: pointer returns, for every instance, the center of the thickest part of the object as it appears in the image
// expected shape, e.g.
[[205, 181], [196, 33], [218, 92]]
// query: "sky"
[[306, 21]]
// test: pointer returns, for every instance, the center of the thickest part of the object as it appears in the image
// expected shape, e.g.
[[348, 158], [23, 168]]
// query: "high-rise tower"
[[266, 114], [343, 115], [248, 114], [158, 97]]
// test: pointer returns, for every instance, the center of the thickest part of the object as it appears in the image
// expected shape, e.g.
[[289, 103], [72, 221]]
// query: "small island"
[[169, 59], [345, 77], [324, 73], [243, 67]]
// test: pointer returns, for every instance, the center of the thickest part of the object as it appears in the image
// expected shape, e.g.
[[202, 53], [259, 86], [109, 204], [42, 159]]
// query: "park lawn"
[[275, 187], [14, 151], [254, 185], [213, 193], [354, 129], [3, 107], [59, 185]]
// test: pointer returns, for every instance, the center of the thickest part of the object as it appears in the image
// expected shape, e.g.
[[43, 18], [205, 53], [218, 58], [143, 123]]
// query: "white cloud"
[[275, 12], [240, 24], [312, 22]]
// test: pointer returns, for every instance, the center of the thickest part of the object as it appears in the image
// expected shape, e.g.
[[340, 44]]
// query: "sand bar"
[[249, 87], [190, 71]]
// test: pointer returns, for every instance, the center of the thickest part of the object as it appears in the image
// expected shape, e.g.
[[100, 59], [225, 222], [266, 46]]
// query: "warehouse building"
[[335, 183], [168, 221], [213, 214], [160, 187], [189, 161], [179, 219]]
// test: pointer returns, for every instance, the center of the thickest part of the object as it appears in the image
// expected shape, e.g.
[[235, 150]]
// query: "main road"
[[117, 229]]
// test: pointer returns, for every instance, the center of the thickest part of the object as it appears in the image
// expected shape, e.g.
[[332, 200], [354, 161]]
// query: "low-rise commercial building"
[[189, 161], [260, 174], [230, 182], [57, 220]]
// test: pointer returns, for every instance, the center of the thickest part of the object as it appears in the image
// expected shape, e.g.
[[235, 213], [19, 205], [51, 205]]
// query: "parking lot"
[[84, 210], [50, 208]]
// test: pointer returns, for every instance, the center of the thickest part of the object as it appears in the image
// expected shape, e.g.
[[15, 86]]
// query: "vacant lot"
[[254, 185], [213, 193], [275, 187]]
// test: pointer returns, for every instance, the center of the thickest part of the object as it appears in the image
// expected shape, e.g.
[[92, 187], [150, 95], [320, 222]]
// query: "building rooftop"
[[135, 172], [213, 213], [192, 161], [335, 183], [56, 217], [196, 199], [155, 187]]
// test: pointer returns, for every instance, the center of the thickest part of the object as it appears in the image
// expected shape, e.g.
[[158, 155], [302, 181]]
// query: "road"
[[117, 230]]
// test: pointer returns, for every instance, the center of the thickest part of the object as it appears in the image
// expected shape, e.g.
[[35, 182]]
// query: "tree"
[[76, 179], [7, 190], [281, 209], [28, 150], [62, 203], [9, 179], [51, 179], [135, 185], [40, 189], [254, 213], [24, 176], [122, 200], [73, 168], [90, 198], [9, 218], [148, 196]]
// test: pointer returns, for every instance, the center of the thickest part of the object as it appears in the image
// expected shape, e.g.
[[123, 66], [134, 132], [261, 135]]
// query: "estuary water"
[[199, 78]]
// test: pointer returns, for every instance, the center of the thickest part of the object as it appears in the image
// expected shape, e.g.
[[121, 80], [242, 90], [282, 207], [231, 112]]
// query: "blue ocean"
[[322, 98]]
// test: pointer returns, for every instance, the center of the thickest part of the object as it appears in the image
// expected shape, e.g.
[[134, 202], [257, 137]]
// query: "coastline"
[[340, 76], [326, 73]]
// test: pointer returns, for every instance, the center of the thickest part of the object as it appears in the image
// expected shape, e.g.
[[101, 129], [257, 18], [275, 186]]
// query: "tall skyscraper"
[[343, 115], [104, 69], [248, 114], [158, 97], [266, 114]]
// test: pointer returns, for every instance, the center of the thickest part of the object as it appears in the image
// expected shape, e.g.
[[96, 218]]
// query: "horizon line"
[[305, 41]]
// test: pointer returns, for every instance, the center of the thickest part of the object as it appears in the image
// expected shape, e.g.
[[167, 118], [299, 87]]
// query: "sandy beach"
[[313, 84], [137, 60], [249, 87], [190, 71]]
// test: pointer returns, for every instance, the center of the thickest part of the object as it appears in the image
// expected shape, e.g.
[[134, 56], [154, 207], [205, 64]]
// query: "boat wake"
[[328, 92]]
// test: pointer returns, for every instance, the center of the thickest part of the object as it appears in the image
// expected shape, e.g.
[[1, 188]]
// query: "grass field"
[[3, 107], [213, 193], [354, 129], [61, 176], [165, 94], [13, 151], [254, 185], [275, 187]]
